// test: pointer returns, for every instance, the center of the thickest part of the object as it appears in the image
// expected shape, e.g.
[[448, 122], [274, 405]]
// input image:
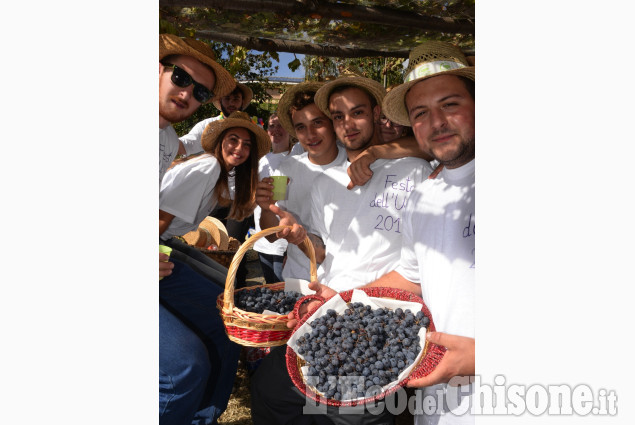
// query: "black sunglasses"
[[181, 78]]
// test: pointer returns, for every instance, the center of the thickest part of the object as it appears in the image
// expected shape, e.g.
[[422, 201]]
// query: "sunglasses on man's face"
[[181, 78]]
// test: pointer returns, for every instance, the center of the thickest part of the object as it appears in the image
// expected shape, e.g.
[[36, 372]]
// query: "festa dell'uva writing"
[[374, 344]]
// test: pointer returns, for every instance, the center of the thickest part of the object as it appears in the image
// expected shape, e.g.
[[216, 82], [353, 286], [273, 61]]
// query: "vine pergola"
[[346, 29], [377, 34]]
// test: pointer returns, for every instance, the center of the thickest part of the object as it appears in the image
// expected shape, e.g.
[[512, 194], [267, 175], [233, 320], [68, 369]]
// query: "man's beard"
[[173, 115], [225, 111], [361, 144], [464, 153]]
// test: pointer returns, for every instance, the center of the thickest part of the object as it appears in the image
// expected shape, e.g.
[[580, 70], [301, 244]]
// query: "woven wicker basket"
[[253, 329], [432, 353]]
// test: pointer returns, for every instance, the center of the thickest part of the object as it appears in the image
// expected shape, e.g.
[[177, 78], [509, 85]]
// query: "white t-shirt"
[[187, 193], [302, 174], [266, 167], [192, 140], [168, 148], [438, 253], [297, 149], [362, 228]]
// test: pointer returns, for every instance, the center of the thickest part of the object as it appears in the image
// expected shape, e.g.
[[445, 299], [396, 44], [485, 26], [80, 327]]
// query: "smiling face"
[[354, 118], [441, 112], [232, 102], [236, 146], [314, 131], [278, 135], [177, 103]]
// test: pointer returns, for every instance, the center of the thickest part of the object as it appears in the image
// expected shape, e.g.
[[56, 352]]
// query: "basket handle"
[[228, 297], [301, 301]]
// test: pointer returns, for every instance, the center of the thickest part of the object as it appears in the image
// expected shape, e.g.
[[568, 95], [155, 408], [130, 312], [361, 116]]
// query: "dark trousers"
[[275, 400]]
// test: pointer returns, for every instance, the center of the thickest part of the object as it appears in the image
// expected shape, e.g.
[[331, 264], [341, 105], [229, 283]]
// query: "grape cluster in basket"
[[261, 298], [374, 344]]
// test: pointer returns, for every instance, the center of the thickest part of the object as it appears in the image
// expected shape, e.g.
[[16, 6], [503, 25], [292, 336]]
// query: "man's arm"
[[191, 142], [395, 280], [164, 221], [359, 171]]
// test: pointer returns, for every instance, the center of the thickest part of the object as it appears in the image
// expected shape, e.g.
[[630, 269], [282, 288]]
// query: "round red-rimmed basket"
[[253, 329], [432, 353]]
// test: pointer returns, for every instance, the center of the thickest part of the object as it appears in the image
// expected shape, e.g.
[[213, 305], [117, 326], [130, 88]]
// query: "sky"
[[284, 70]]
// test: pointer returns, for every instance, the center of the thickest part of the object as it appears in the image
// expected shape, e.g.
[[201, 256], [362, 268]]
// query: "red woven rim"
[[427, 364], [251, 335]]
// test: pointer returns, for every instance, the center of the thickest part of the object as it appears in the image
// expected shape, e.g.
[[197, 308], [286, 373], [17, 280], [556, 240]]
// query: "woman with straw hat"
[[192, 188], [189, 192]]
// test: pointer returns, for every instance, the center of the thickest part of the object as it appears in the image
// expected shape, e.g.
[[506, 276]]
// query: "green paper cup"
[[164, 250], [279, 187]]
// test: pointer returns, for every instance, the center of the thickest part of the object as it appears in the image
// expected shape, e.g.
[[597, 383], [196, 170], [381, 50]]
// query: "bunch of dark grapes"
[[352, 355], [260, 299]]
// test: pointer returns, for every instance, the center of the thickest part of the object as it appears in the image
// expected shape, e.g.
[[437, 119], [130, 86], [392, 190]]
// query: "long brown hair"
[[245, 179]]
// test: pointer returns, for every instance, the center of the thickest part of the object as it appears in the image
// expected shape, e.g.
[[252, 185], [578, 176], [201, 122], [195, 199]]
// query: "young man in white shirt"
[[195, 370], [271, 254], [437, 257], [314, 130], [356, 251]]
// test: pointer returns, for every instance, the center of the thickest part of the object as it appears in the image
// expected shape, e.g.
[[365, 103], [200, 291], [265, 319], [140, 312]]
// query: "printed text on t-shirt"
[[469, 231], [394, 196]]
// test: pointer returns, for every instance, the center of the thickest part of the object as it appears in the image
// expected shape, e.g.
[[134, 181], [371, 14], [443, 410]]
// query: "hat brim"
[[371, 86], [170, 44], [287, 99], [214, 129], [394, 104], [248, 94]]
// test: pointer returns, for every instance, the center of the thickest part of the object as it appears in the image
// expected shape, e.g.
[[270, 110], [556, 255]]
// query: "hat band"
[[428, 68]]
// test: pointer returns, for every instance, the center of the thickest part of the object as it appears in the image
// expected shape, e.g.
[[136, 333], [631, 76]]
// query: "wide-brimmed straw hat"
[[248, 94], [287, 100], [348, 78], [170, 44], [214, 129], [430, 59]]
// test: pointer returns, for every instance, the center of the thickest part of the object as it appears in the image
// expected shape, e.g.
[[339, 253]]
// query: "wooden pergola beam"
[[337, 11], [279, 45]]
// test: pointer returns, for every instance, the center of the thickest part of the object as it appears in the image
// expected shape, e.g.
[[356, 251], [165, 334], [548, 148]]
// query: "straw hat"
[[170, 44], [200, 237], [287, 100], [248, 94], [430, 59], [236, 119], [348, 78], [218, 231]]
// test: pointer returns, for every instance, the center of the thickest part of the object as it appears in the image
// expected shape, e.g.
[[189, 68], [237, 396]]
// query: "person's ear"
[[377, 112]]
